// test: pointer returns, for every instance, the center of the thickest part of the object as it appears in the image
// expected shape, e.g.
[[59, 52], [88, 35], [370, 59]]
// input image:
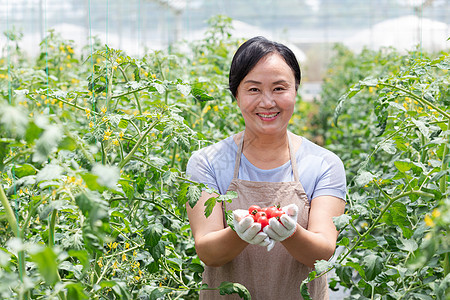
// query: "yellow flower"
[[61, 68], [154, 76], [69, 65], [124, 257], [116, 142], [107, 135], [364, 225], [428, 221], [137, 278], [215, 108], [127, 245], [105, 119], [115, 265], [43, 97], [91, 124], [121, 134], [103, 109], [436, 213]]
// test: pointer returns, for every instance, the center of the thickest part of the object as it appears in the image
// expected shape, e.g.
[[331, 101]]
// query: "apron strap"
[[293, 159], [238, 157], [239, 154]]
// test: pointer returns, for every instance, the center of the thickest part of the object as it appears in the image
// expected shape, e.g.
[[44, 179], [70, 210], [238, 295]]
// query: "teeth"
[[268, 116]]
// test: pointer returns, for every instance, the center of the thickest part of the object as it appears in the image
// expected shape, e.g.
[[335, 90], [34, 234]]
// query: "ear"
[[237, 100]]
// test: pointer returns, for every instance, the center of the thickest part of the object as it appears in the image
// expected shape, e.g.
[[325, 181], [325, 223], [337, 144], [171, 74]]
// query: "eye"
[[253, 89], [280, 88]]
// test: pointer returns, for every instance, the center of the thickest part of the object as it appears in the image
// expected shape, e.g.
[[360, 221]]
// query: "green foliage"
[[391, 128], [92, 157]]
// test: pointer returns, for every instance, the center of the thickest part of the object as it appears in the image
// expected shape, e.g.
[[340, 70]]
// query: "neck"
[[265, 143]]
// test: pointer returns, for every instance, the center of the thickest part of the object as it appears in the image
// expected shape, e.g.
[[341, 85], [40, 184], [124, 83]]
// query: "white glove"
[[285, 227], [249, 230]]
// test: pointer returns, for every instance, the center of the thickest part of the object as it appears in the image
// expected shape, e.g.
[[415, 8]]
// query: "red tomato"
[[259, 214], [270, 211], [254, 209], [277, 214], [263, 221]]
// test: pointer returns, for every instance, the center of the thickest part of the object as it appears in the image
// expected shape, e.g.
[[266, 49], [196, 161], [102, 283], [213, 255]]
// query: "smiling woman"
[[266, 165]]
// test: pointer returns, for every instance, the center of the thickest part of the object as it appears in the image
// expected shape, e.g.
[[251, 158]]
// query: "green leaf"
[[341, 221], [24, 170], [409, 245], [228, 197], [372, 266], [169, 177], [209, 205], [75, 291], [364, 178], [422, 127], [403, 166], [228, 288], [45, 260], [200, 95], [91, 182], [127, 189], [322, 266], [67, 143], [152, 235], [193, 195], [388, 147], [123, 123], [195, 267], [159, 293], [32, 133], [158, 250]]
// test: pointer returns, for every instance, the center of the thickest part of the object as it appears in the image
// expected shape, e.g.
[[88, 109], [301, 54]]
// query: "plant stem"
[[9, 213], [137, 145], [51, 229], [16, 230], [383, 211], [419, 99]]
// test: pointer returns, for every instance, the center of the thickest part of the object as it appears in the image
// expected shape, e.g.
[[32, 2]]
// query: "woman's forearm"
[[307, 247], [219, 247]]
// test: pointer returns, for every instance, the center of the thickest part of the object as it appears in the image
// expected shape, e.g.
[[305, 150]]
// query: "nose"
[[267, 100]]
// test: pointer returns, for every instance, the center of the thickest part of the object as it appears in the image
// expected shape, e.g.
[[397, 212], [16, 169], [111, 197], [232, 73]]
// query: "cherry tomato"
[[263, 221], [254, 209], [270, 211], [277, 214]]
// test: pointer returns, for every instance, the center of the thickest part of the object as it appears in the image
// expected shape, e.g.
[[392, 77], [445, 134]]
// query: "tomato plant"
[[395, 120], [92, 155]]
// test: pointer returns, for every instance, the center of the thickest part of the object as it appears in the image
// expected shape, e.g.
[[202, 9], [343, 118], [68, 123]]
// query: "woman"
[[267, 165]]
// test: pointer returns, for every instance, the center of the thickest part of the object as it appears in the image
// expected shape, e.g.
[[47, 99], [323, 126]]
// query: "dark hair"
[[251, 52]]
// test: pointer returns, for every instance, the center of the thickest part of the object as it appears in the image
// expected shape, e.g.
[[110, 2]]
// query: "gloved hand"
[[285, 227], [249, 230]]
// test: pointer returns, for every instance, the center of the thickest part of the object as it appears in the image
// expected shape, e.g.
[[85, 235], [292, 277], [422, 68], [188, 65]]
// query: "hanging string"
[[92, 58], [106, 39], [139, 29], [46, 55], [8, 62]]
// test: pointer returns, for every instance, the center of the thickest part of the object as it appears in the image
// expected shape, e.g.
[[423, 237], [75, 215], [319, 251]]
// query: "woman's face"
[[266, 96]]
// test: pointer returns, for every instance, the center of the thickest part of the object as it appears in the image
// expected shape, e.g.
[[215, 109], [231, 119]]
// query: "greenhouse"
[[174, 149]]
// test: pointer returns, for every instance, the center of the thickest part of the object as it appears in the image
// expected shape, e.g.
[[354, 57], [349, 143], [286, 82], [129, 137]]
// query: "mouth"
[[268, 116]]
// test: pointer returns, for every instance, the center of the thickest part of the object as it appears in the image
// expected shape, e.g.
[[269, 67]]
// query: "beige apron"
[[267, 275]]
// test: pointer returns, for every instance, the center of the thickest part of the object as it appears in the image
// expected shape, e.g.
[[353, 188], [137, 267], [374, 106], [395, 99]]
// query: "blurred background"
[[309, 27]]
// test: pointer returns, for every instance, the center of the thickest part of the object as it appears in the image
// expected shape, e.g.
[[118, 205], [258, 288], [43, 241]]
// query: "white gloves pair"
[[277, 231]]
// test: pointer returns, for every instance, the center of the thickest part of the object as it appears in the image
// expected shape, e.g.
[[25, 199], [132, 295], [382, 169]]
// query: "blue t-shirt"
[[320, 171]]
